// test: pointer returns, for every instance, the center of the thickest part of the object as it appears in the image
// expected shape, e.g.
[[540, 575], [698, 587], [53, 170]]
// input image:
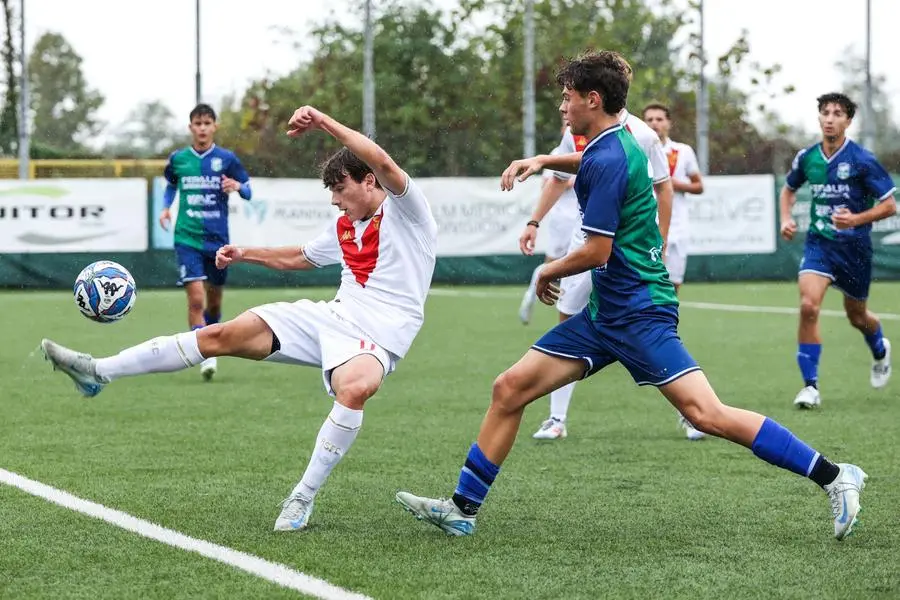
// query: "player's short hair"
[[605, 72], [344, 163], [203, 110], [843, 100], [657, 106]]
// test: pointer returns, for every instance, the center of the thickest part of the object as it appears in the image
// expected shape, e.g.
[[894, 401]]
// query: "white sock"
[[532, 286], [559, 401], [334, 439], [159, 355]]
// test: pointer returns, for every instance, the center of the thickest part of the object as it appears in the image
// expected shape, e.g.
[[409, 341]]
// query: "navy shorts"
[[197, 265], [647, 345], [848, 264]]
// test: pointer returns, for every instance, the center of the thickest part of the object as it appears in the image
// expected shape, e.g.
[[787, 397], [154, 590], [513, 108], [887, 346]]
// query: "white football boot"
[[208, 368], [690, 431], [808, 397], [844, 495], [295, 513], [80, 367], [440, 512], [551, 429], [881, 369]]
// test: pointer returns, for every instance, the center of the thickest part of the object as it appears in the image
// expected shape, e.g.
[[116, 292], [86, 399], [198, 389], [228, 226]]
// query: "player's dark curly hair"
[[344, 163], [203, 110], [605, 72], [843, 100]]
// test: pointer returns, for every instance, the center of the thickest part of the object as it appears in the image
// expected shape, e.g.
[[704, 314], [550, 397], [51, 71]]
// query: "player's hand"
[[165, 217], [305, 118], [844, 219], [230, 185], [227, 255], [547, 290], [528, 239], [520, 170], [788, 229]]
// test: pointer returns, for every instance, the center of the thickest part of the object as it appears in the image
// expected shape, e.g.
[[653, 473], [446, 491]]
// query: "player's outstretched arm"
[[287, 258], [594, 253], [386, 170], [520, 170]]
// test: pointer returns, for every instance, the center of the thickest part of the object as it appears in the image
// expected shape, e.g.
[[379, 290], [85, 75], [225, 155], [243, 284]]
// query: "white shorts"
[[559, 226], [576, 291], [314, 335], [676, 260]]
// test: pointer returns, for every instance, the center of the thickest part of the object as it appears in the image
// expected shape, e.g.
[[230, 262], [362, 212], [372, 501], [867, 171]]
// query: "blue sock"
[[778, 446], [475, 481], [211, 320], [876, 343], [808, 359]]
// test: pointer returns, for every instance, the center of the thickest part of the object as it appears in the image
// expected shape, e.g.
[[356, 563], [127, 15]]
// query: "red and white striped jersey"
[[387, 263]]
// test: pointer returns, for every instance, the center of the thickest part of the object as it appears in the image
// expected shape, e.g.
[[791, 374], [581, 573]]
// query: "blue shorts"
[[848, 264], [197, 265], [647, 345]]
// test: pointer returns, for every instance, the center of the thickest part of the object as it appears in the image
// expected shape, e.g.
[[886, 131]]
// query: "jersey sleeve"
[[691, 165], [608, 186], [659, 164], [796, 177], [237, 171], [878, 182], [324, 249], [413, 204], [169, 171]]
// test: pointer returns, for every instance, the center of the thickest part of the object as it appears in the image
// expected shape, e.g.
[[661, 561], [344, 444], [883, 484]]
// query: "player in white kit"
[[576, 290], [685, 173], [559, 224], [385, 241]]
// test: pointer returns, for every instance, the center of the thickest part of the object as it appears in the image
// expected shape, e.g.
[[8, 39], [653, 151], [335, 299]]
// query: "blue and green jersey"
[[615, 195], [196, 178], [850, 178]]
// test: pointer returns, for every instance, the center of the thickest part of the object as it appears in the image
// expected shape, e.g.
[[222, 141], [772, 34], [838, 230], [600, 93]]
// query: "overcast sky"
[[149, 53]]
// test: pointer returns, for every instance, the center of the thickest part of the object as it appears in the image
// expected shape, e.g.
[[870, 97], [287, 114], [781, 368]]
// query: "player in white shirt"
[[560, 222], [576, 290], [385, 241], [685, 173]]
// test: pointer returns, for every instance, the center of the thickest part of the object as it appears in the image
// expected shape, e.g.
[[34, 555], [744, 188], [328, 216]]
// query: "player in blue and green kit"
[[850, 191], [202, 176], [631, 318]]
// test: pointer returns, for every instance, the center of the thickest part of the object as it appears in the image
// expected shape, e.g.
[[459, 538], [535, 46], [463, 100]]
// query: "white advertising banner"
[[73, 215], [474, 217], [735, 214]]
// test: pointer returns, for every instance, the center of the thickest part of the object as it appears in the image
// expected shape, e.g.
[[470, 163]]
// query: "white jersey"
[[387, 263], [566, 208], [682, 163]]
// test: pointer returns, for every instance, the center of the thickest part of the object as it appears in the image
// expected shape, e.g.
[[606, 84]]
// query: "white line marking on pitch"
[[748, 308], [276, 573]]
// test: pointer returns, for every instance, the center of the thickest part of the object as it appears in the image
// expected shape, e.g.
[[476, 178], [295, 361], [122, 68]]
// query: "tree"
[[148, 131], [64, 107], [9, 117]]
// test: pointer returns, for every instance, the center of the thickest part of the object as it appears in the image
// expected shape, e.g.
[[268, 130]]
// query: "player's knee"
[[707, 417], [213, 340], [809, 309], [354, 394], [506, 393]]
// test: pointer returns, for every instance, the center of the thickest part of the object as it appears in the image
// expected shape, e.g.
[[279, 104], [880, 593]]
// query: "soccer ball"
[[105, 291]]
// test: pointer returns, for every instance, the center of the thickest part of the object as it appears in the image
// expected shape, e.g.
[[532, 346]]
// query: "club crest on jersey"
[[215, 164], [843, 170]]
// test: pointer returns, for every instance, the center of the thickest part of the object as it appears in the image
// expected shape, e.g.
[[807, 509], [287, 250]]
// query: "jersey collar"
[[835, 155], [603, 133], [208, 150]]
